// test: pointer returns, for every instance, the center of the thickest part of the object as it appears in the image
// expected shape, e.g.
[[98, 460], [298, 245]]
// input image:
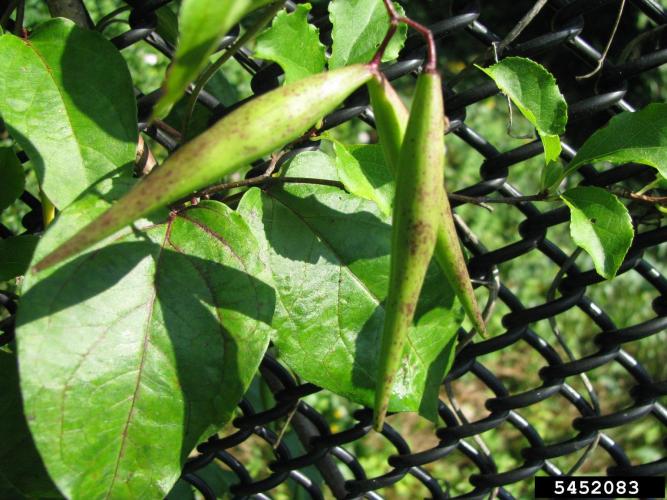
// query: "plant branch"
[[603, 57], [520, 26], [70, 9], [639, 197], [497, 49], [512, 200], [267, 181]]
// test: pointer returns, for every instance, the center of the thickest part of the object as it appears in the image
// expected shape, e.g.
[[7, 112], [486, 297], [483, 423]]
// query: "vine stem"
[[640, 197], [603, 57], [394, 19], [267, 181], [204, 78]]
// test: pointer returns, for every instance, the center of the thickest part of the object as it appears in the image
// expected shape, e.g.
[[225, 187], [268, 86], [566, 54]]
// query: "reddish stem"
[[377, 59], [394, 19], [431, 61]]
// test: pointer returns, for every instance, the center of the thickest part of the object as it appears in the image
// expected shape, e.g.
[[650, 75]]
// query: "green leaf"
[[201, 117], [359, 26], [551, 176], [167, 24], [329, 254], [74, 136], [159, 332], [601, 225], [22, 472], [294, 44], [639, 137], [535, 92], [203, 24], [363, 172], [15, 255], [13, 179]]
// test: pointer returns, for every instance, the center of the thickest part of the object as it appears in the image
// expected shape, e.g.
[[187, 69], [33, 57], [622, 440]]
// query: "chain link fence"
[[491, 387]]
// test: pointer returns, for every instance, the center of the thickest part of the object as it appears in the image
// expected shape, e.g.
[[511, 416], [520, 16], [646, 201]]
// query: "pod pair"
[[249, 133], [414, 150]]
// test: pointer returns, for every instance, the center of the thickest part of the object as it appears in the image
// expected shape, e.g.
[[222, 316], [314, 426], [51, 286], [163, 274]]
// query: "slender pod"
[[250, 132], [391, 119], [419, 197]]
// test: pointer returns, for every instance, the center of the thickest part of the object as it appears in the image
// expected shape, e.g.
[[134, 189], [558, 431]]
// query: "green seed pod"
[[391, 119], [420, 194], [251, 132]]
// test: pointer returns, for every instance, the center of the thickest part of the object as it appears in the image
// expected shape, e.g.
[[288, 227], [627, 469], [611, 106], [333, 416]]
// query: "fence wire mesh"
[[479, 397]]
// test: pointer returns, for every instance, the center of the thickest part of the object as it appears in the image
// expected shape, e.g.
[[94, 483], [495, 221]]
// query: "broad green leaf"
[[359, 26], [294, 44], [363, 172], [132, 353], [15, 255], [535, 92], [329, 254], [67, 98], [601, 225], [639, 137], [202, 24], [22, 472], [12, 179]]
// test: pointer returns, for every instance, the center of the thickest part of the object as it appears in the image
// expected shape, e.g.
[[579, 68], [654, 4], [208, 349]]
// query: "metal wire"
[[330, 452]]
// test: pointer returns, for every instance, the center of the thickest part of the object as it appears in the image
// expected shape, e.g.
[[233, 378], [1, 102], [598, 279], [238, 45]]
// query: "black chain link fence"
[[556, 38]]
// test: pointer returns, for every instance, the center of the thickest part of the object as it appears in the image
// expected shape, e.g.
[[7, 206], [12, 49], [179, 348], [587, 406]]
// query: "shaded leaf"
[[639, 137], [535, 92], [217, 479], [329, 255], [601, 225], [12, 177], [22, 472], [139, 331], [359, 26], [293, 43], [15, 255], [551, 176], [167, 24], [202, 24], [200, 121], [73, 136], [363, 172]]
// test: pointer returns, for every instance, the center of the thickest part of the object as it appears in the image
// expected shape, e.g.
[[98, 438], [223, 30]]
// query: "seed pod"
[[419, 197], [250, 132], [391, 118]]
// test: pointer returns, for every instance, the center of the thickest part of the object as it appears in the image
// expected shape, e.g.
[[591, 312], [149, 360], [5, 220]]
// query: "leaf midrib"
[[147, 330], [47, 67]]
